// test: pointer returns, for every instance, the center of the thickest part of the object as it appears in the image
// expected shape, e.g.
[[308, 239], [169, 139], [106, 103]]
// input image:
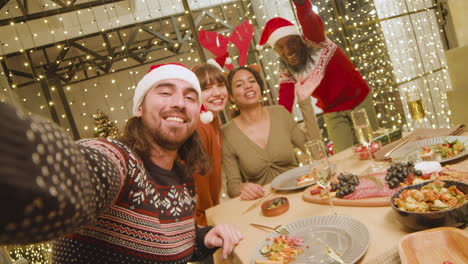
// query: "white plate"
[[286, 181], [348, 237], [414, 148]]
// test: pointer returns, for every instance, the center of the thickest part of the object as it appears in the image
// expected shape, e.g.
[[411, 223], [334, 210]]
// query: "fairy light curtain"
[[416, 51], [396, 45]]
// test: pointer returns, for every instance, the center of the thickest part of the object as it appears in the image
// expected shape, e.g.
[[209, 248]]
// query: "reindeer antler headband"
[[218, 44]]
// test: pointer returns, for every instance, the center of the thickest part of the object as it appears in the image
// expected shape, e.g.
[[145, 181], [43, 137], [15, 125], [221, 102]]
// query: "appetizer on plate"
[[304, 180], [448, 149], [427, 153], [283, 249]]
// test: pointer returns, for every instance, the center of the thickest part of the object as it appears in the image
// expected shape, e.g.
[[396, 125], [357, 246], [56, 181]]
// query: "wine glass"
[[363, 131], [416, 107], [320, 167]]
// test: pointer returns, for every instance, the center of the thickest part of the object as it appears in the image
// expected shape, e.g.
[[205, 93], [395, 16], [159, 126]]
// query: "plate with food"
[[309, 239], [442, 149], [296, 178]]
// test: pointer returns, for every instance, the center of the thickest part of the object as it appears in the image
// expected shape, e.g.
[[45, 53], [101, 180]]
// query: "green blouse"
[[245, 161]]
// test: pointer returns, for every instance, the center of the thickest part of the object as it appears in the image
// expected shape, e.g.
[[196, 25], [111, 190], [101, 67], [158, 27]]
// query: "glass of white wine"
[[364, 134], [320, 167], [416, 107]]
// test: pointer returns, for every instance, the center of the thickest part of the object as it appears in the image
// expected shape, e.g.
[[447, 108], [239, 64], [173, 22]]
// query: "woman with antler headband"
[[213, 84], [258, 144]]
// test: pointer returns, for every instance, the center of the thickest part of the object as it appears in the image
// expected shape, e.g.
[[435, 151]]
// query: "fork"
[[330, 252], [278, 229]]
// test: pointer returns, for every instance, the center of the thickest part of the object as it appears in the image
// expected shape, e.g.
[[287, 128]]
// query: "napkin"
[[418, 134]]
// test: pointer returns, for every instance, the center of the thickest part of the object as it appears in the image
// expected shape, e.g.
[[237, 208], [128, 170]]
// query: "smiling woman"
[[214, 94], [258, 144]]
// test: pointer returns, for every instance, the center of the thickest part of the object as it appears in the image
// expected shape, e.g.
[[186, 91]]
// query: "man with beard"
[[342, 88], [130, 200]]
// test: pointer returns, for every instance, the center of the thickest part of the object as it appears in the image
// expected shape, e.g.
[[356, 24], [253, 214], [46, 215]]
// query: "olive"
[[418, 173]]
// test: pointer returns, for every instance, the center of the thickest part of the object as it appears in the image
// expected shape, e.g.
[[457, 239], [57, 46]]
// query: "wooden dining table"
[[385, 231]]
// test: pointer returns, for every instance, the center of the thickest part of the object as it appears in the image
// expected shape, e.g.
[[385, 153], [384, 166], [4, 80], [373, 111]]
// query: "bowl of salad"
[[432, 204]]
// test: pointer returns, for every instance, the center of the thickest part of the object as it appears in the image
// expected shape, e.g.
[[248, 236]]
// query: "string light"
[[395, 52]]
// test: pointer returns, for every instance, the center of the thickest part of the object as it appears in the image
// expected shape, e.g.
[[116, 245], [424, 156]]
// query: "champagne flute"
[[416, 107], [363, 131], [320, 167]]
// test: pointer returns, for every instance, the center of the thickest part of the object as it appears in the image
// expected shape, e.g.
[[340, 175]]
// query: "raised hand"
[[251, 191], [306, 86], [225, 236]]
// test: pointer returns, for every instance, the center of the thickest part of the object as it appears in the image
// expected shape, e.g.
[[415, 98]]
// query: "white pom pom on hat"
[[162, 72], [206, 116]]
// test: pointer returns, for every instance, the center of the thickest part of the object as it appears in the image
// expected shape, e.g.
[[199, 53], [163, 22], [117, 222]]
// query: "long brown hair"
[[191, 153]]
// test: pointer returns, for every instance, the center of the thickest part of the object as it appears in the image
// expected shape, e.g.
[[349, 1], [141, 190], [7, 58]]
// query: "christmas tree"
[[103, 126]]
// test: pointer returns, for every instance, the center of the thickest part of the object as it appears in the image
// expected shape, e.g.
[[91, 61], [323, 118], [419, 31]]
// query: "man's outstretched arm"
[[49, 185], [312, 24]]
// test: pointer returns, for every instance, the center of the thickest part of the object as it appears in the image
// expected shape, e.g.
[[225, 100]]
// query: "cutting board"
[[369, 202]]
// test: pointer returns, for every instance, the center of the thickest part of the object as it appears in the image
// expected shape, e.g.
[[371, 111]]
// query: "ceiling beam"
[[22, 7], [3, 3], [53, 12]]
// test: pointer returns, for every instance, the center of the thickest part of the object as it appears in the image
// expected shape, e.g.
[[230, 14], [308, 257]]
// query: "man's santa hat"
[[163, 72], [275, 29]]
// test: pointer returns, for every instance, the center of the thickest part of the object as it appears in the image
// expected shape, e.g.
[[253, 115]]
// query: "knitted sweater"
[[342, 87], [209, 186], [112, 206]]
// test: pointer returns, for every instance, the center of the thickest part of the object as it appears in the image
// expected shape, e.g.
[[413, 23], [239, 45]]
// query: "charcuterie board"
[[365, 202], [368, 202]]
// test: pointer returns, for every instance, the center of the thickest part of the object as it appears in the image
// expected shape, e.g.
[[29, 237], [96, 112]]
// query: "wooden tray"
[[434, 246], [369, 202]]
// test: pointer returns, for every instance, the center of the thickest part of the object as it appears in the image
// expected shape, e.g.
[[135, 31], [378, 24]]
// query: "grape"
[[346, 184], [398, 172]]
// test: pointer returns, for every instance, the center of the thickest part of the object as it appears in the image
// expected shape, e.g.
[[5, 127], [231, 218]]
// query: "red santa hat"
[[162, 72], [275, 29]]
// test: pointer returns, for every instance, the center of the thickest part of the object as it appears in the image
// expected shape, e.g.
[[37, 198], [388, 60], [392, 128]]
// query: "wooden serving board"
[[369, 202], [434, 246]]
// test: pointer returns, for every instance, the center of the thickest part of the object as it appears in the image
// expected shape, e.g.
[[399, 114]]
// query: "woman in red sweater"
[[215, 95]]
